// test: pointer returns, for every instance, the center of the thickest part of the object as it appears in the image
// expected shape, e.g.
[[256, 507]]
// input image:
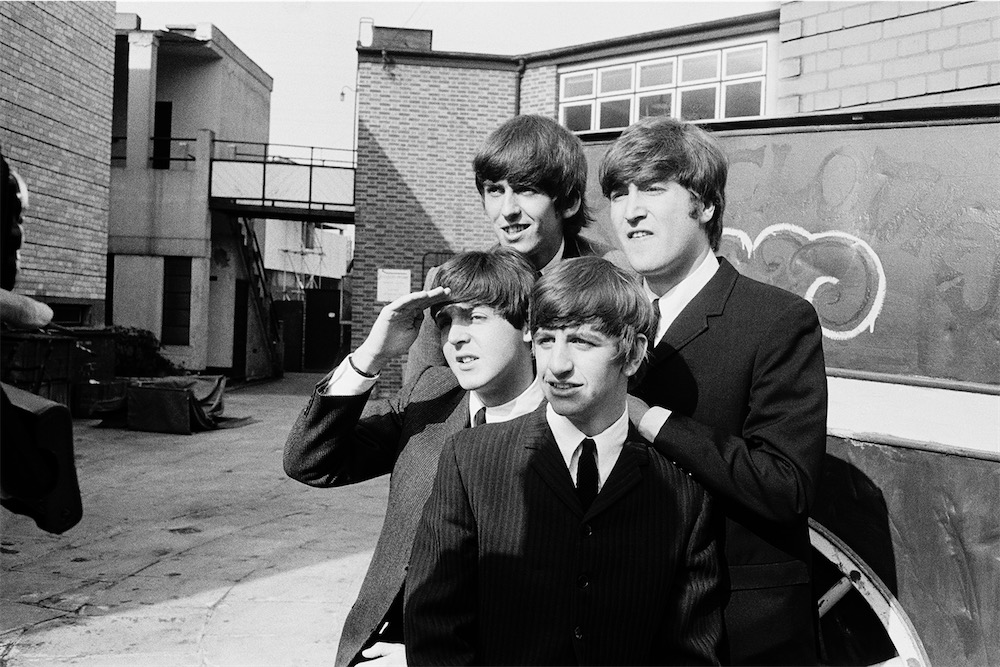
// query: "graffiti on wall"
[[891, 231], [837, 272]]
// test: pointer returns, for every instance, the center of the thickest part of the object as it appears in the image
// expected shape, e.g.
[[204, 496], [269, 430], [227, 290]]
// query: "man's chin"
[[561, 406]]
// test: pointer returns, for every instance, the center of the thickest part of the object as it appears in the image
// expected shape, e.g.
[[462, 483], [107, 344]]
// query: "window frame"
[[721, 51]]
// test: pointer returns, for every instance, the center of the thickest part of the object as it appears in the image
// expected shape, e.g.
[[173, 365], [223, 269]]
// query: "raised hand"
[[395, 329]]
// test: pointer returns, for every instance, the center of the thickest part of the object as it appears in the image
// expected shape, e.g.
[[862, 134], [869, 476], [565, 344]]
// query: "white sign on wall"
[[392, 284]]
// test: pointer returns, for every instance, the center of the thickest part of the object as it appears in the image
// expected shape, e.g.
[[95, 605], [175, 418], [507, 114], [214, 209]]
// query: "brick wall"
[[539, 91], [836, 55], [55, 129], [419, 128]]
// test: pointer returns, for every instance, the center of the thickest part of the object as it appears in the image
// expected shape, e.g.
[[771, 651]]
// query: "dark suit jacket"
[[742, 369], [426, 349], [343, 440], [507, 568]]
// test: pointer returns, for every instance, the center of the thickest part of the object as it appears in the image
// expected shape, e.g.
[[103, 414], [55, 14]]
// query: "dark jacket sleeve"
[[773, 467], [425, 352], [695, 602], [441, 594], [338, 440]]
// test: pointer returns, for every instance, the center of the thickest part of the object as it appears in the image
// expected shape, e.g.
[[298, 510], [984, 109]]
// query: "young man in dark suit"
[[736, 378], [343, 436], [531, 173], [561, 538]]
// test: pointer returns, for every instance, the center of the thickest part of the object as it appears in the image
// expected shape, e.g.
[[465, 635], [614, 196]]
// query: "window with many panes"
[[700, 84]]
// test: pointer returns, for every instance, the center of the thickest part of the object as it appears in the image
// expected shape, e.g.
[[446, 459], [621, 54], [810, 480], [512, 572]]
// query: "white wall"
[[284, 251]]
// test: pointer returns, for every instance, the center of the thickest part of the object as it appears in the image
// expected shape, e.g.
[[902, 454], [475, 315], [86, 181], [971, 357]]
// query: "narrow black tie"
[[586, 473], [656, 318], [480, 417]]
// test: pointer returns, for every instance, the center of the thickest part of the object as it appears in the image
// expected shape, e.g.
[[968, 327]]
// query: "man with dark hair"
[[479, 302], [531, 173], [737, 381], [560, 537]]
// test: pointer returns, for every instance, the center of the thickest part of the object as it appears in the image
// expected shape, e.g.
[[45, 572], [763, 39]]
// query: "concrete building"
[[422, 113], [177, 267], [56, 73]]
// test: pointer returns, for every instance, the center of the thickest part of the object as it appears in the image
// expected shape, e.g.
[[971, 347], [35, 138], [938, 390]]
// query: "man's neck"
[[661, 284], [509, 387]]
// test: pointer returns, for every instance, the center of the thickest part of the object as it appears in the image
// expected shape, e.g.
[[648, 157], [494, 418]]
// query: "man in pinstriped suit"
[[343, 436], [562, 537]]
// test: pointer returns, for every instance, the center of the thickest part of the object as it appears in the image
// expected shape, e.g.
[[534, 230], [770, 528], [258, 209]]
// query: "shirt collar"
[[526, 402], [680, 295], [568, 437]]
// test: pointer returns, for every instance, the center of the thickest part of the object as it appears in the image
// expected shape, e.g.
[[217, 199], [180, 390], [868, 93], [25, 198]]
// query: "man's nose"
[[510, 208], [635, 206], [458, 334], [560, 359]]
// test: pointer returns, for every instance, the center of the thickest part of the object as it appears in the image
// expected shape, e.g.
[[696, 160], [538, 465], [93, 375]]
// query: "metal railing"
[[247, 173], [283, 175]]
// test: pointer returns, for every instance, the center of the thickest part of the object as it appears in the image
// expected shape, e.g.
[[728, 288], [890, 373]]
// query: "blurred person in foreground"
[[37, 467]]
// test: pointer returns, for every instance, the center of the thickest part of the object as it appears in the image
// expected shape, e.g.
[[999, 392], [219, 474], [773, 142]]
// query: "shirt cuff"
[[345, 381], [652, 422]]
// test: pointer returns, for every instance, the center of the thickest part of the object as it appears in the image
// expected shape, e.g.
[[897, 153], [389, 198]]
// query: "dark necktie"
[[656, 318], [480, 417], [586, 473]]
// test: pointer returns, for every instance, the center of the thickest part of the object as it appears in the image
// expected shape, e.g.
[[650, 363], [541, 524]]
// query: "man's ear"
[[636, 355], [526, 333], [706, 213], [571, 210]]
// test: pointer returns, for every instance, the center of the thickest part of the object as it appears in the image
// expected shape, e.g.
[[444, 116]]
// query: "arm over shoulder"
[[772, 466]]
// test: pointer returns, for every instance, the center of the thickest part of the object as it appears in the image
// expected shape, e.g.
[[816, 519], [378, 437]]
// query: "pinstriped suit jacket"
[[344, 440], [508, 569]]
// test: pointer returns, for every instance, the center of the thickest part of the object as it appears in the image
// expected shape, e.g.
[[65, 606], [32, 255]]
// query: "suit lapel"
[[548, 462], [459, 417], [695, 319], [624, 476]]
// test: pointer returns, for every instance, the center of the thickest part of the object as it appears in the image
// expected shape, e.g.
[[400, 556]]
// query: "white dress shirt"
[[569, 439], [671, 304]]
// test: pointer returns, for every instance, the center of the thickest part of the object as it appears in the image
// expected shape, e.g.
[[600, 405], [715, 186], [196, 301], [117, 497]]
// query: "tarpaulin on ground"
[[182, 404]]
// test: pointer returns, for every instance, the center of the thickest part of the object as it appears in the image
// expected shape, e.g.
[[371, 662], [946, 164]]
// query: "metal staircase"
[[260, 295]]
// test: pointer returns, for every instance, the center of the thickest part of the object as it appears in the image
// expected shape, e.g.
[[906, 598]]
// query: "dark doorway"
[[162, 119], [240, 315], [290, 314], [322, 339]]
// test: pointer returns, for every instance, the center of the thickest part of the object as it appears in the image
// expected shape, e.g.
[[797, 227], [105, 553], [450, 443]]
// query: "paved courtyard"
[[193, 550]]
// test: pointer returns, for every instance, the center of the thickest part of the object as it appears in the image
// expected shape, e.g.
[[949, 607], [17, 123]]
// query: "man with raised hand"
[[479, 302]]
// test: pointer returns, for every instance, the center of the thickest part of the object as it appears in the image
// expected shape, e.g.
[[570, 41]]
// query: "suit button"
[[586, 530], [582, 581], [578, 632]]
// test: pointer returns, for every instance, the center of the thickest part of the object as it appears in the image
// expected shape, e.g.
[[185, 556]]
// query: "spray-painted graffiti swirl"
[[838, 273]]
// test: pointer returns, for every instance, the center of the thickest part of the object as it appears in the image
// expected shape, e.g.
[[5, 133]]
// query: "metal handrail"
[[253, 151]]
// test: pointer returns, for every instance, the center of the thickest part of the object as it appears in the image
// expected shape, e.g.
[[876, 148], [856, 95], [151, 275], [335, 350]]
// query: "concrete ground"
[[193, 550]]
